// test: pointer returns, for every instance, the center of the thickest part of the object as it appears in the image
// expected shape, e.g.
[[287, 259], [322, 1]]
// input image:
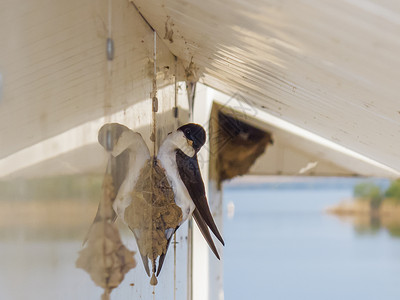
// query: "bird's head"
[[195, 136], [188, 138], [116, 138]]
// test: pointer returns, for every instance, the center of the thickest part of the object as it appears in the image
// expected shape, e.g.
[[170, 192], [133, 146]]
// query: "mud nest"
[[104, 257], [240, 144], [152, 211]]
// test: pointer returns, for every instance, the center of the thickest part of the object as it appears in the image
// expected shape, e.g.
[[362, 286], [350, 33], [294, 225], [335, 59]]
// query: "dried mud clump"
[[240, 144], [152, 212], [104, 257]]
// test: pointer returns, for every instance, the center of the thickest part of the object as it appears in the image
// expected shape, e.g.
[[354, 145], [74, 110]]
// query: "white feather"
[[138, 155], [167, 157]]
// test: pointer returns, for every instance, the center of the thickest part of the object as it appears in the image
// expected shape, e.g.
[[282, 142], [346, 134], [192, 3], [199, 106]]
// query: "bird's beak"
[[190, 142]]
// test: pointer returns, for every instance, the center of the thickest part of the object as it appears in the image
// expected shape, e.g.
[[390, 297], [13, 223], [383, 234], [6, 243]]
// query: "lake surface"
[[280, 245]]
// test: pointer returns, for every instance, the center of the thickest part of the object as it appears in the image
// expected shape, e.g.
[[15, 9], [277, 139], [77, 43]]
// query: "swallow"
[[178, 156], [119, 141]]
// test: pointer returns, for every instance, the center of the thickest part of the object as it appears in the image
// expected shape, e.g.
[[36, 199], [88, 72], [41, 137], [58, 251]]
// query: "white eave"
[[329, 69]]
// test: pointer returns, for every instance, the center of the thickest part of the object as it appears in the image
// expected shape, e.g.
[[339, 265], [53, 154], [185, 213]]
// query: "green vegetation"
[[393, 192], [375, 208], [368, 191]]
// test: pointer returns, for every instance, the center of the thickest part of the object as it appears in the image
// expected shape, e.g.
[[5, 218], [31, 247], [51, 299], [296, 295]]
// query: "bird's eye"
[[187, 131]]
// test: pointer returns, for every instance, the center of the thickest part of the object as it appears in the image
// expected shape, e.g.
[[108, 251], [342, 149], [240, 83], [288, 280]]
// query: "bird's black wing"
[[118, 168], [162, 256], [143, 256], [189, 172], [205, 232]]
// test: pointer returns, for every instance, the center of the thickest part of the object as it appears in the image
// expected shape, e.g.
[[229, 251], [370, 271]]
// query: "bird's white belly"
[[182, 197], [183, 200], [124, 196]]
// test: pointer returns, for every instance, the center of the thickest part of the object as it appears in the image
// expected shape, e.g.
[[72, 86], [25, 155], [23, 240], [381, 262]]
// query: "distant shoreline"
[[357, 206], [363, 217], [297, 182]]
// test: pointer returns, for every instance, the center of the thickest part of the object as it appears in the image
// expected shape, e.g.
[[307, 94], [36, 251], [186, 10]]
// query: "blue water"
[[280, 245]]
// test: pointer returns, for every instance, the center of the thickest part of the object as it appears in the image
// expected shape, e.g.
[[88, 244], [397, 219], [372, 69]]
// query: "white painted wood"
[[295, 147], [330, 67], [55, 71], [58, 89]]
